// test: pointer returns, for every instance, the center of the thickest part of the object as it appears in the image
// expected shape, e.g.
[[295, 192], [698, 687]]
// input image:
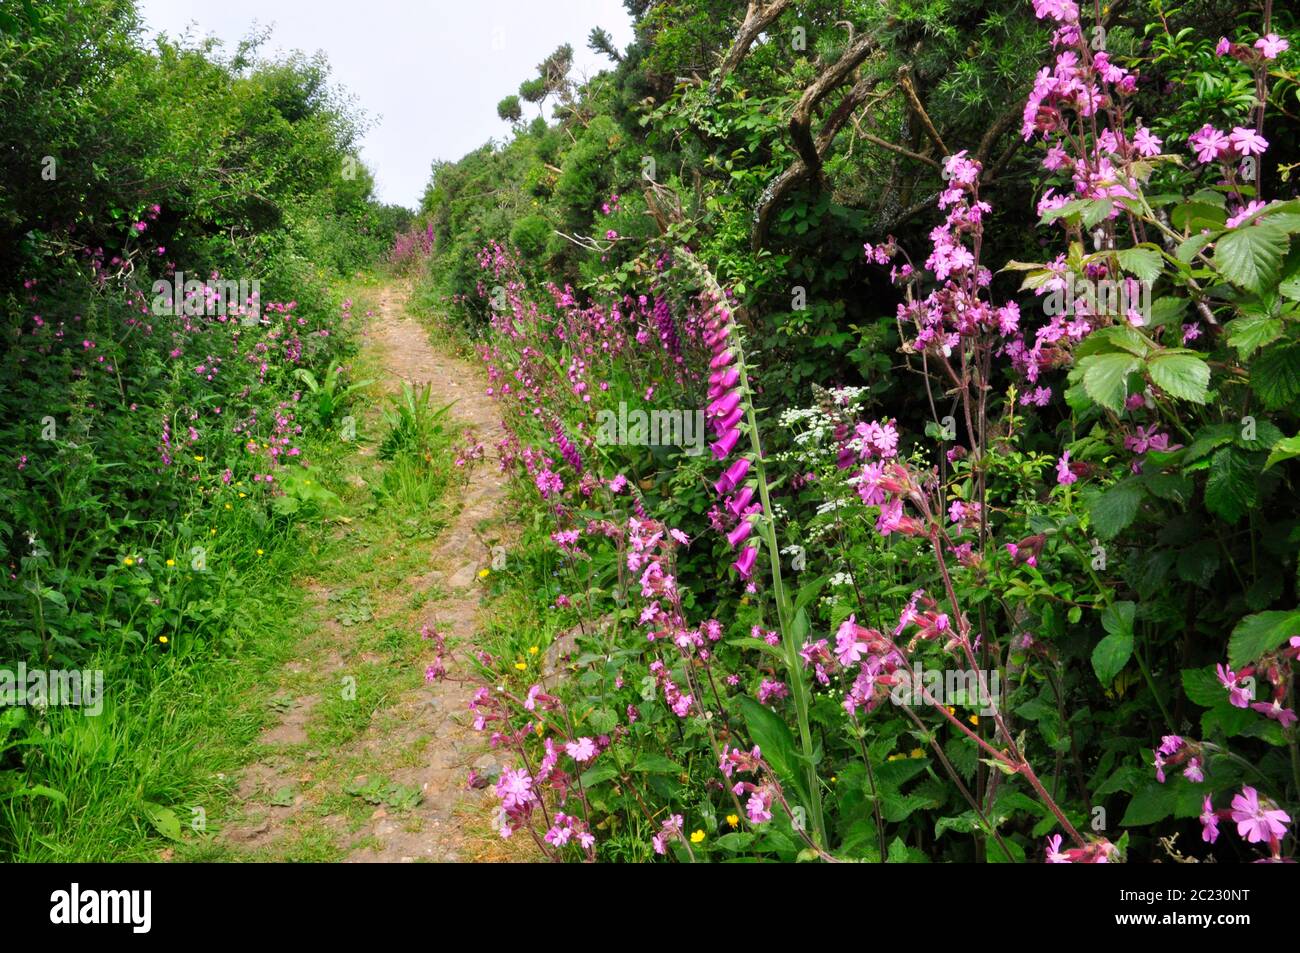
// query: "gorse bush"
[[1001, 568]]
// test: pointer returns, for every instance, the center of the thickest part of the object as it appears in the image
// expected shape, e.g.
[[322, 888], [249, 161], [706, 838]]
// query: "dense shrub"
[[157, 442], [994, 555]]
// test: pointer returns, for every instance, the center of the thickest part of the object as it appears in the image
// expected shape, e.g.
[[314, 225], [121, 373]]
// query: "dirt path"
[[338, 778]]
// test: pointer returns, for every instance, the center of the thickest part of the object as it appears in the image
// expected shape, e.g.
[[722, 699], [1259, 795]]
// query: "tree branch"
[[758, 17]]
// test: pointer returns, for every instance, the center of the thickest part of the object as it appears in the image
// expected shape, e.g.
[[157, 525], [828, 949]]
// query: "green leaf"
[[735, 841], [1249, 334], [1251, 256], [1181, 374], [1230, 491], [1114, 508], [1110, 656], [1261, 633], [1112, 653], [601, 772], [1202, 686], [1198, 215], [1117, 618], [1153, 803], [773, 737], [1284, 449], [1145, 263], [1275, 376], [651, 763], [1105, 377], [163, 819]]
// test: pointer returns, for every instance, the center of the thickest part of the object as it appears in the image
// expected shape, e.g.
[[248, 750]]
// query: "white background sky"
[[429, 71]]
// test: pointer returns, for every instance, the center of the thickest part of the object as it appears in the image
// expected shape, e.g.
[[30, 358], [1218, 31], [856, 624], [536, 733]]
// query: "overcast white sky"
[[431, 71]]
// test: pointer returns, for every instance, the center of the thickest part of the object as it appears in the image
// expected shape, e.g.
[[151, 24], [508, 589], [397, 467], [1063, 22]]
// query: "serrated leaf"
[[1249, 334], [1145, 263], [1111, 510], [1184, 375], [1251, 257], [1230, 490], [1275, 376], [1117, 618], [1153, 803], [1105, 378], [1202, 686], [1198, 215], [1260, 633], [1197, 564]]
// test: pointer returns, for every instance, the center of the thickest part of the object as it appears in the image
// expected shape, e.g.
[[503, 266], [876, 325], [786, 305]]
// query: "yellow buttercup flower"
[[697, 837], [259, 552], [483, 573], [229, 507], [171, 562], [733, 820], [917, 753], [521, 666], [129, 561], [162, 639], [532, 650], [974, 719]]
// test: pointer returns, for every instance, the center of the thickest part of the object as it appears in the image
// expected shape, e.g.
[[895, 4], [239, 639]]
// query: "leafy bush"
[[1008, 575]]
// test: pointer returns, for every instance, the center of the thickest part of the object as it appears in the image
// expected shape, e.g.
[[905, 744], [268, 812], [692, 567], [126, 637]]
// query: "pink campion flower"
[[1222, 47], [1208, 143], [1063, 11], [769, 690], [549, 483], [1258, 821], [581, 750], [1209, 822], [1285, 716], [1054, 853], [848, 649], [1191, 331], [617, 484], [680, 536], [1238, 694], [878, 439], [671, 827], [1271, 45], [758, 807], [515, 789], [1064, 475], [1247, 142], [1146, 143], [1246, 212]]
